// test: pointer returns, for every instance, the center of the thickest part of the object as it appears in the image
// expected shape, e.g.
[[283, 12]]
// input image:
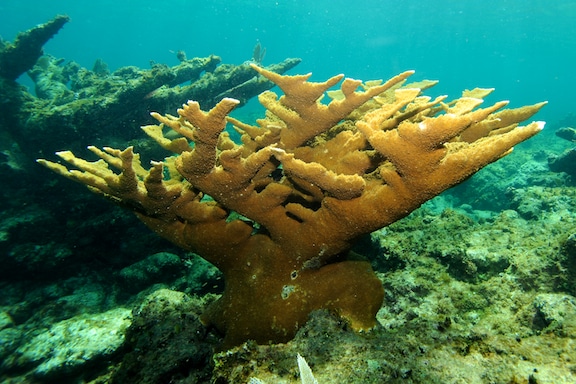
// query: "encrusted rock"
[[156, 268], [166, 340], [554, 311], [72, 347]]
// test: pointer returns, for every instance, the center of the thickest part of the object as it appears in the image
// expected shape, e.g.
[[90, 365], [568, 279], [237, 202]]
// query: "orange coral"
[[311, 178]]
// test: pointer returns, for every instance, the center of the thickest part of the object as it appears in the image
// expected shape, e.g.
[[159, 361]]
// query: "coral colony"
[[278, 213]]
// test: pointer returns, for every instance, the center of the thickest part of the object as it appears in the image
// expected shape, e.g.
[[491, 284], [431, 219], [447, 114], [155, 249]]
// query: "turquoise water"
[[525, 49]]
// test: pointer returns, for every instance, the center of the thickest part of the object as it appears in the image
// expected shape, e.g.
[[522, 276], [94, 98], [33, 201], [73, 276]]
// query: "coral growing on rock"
[[307, 181]]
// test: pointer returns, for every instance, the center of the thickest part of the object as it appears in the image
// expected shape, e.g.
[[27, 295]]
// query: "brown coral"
[[311, 178]]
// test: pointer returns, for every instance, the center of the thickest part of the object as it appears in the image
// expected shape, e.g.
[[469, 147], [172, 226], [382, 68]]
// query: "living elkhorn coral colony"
[[311, 178]]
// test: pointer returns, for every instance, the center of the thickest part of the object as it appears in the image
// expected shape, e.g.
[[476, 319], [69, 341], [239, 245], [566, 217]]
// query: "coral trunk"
[[269, 295]]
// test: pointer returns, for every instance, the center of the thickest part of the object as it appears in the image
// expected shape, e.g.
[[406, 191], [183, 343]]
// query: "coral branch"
[[300, 108], [342, 187]]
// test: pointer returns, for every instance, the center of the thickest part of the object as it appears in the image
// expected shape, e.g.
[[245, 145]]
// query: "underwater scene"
[[287, 191]]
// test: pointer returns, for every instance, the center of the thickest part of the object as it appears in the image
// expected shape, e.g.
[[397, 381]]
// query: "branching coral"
[[308, 180]]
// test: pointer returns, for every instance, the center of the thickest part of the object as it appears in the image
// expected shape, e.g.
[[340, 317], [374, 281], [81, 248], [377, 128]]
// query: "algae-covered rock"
[[555, 312], [6, 320], [97, 104], [568, 261], [565, 162], [527, 202], [51, 79], [567, 133], [72, 347], [19, 56], [166, 341], [10, 340], [156, 268], [490, 188], [109, 108]]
